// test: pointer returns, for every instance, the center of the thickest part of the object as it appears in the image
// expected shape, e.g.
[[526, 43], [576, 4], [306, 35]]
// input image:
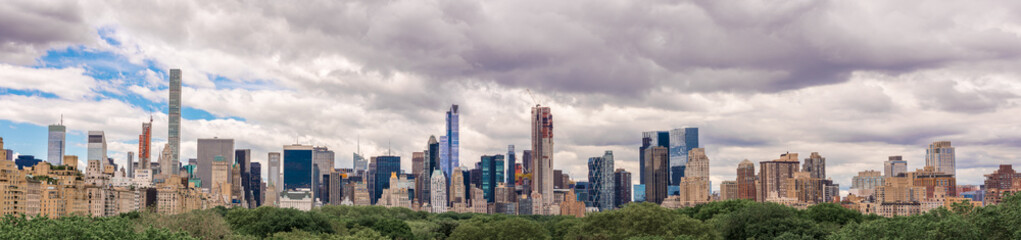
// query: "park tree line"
[[735, 219]]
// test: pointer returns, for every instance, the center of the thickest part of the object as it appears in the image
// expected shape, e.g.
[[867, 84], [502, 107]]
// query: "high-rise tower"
[[453, 140], [894, 166], [145, 145], [97, 148], [940, 155], [815, 164], [172, 166], [57, 141], [542, 153], [746, 180]]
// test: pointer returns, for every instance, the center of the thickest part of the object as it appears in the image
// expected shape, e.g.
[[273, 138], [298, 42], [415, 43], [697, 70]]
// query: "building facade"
[[940, 155], [542, 154]]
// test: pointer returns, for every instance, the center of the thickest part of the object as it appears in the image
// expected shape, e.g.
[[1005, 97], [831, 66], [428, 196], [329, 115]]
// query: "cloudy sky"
[[856, 81]]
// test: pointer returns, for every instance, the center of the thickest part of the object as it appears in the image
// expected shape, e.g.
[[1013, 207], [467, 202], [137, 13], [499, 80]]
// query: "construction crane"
[[532, 96]]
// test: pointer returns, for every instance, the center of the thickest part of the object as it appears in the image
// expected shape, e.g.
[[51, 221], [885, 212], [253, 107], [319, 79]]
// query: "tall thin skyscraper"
[[57, 142], [894, 165], [815, 165], [746, 180], [940, 155], [97, 148], [452, 144], [511, 161], [131, 167], [145, 145], [172, 167], [542, 151]]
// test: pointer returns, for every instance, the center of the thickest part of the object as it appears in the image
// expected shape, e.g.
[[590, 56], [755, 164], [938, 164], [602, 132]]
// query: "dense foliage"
[[739, 219]]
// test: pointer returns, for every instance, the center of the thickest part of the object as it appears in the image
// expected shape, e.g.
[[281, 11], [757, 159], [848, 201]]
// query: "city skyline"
[[854, 99]]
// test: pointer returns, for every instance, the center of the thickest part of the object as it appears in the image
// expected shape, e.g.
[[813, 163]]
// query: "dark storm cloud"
[[28, 28]]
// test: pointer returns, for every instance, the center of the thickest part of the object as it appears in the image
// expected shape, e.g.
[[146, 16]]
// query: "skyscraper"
[[439, 194], [384, 167], [622, 187], [145, 145], [894, 166], [273, 172], [97, 148], [656, 173], [57, 141], [452, 143], [815, 165], [511, 161], [430, 163], [746, 180], [601, 182], [681, 140], [418, 168], [359, 163], [131, 168], [457, 188], [940, 155], [174, 135], [542, 151], [208, 150], [322, 160], [255, 182], [650, 139], [297, 167], [243, 158], [492, 175]]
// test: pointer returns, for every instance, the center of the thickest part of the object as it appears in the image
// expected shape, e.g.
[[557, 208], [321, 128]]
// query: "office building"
[[297, 167], [273, 173], [894, 166], [322, 163], [805, 188], [359, 162], [243, 159], [542, 151], [381, 168], [145, 146], [773, 175], [600, 177], [171, 166], [431, 162], [639, 192], [940, 155], [418, 166], [208, 150], [439, 194], [815, 165], [255, 183], [656, 173], [97, 147], [746, 180], [57, 142], [622, 187], [650, 139], [680, 141], [694, 187], [492, 175]]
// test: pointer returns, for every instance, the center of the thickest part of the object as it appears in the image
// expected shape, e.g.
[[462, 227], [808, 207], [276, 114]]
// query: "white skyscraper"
[[439, 194]]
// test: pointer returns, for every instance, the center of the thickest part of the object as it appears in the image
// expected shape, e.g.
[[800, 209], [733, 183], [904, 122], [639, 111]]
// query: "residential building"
[[542, 151], [172, 164], [457, 188], [1001, 182], [450, 147], [145, 146], [439, 202], [729, 190], [815, 165], [865, 183], [773, 175], [746, 180], [511, 162]]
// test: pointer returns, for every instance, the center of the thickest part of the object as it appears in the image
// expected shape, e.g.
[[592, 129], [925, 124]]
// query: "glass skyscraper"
[[600, 178], [492, 175], [297, 167], [58, 138], [97, 148], [681, 140], [384, 167], [452, 143], [174, 128], [511, 161]]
